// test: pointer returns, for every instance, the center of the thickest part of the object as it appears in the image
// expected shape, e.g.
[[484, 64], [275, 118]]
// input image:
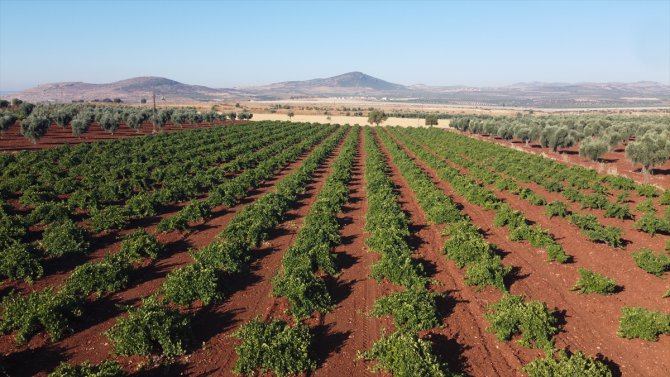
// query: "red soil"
[[12, 140], [591, 320], [614, 162]]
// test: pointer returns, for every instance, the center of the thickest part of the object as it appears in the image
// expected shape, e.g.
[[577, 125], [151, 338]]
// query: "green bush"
[[105, 369], [404, 354], [47, 213], [652, 263], [591, 282], [273, 347], [487, 271], [511, 316], [64, 238], [557, 208], [564, 365], [651, 224], [142, 205], [646, 206], [172, 223], [183, 286], [151, 328], [411, 310], [106, 276], [665, 198], [643, 323], [648, 191], [139, 245], [110, 218], [20, 261], [37, 311], [618, 211], [227, 256], [306, 292]]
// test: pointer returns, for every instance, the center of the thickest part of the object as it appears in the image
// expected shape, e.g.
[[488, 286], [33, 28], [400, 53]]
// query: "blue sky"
[[227, 43]]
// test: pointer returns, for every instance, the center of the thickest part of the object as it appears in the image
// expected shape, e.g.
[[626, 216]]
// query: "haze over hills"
[[360, 85]]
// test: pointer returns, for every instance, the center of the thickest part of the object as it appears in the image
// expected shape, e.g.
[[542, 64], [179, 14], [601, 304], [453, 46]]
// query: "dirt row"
[[590, 322], [87, 341]]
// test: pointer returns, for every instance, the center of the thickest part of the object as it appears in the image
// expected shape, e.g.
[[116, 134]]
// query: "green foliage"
[[377, 117], [110, 218], [592, 282], [105, 369], [142, 205], [595, 232], [411, 310], [564, 365], [172, 223], [151, 328], [404, 354], [34, 127], [20, 261], [648, 191], [106, 276], [665, 198], [557, 208], [642, 323], [48, 212], [646, 206], [592, 148], [511, 316], [139, 245], [227, 256], [184, 286], [64, 238], [273, 347], [652, 263], [651, 224], [618, 211], [37, 311], [306, 292], [488, 271]]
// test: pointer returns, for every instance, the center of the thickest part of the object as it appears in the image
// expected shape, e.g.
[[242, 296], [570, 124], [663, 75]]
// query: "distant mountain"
[[358, 84]]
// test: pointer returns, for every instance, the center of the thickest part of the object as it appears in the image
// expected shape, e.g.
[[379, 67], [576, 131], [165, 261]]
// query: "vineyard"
[[283, 248]]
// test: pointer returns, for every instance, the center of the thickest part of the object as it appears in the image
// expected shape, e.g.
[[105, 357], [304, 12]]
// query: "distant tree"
[[232, 116], [377, 117], [34, 127], [4, 104], [117, 100], [109, 122], [133, 120], [160, 119], [290, 115], [556, 137], [25, 109], [16, 102], [650, 150], [431, 120], [143, 100], [592, 148], [63, 117], [80, 123], [6, 120]]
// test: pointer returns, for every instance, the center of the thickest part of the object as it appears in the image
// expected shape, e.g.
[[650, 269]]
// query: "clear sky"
[[228, 43]]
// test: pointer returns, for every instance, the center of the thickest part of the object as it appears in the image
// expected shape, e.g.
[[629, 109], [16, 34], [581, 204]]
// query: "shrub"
[[405, 355], [646, 206], [411, 310], [665, 198], [487, 271], [169, 224], [34, 127], [652, 263], [37, 311], [273, 347], [306, 292], [106, 276], [105, 369], [142, 205], [618, 211], [227, 256], [591, 282], [643, 323], [49, 212], [139, 245], [511, 315], [20, 261], [557, 208], [651, 224], [183, 286], [648, 191], [574, 365], [151, 328], [64, 238], [110, 218]]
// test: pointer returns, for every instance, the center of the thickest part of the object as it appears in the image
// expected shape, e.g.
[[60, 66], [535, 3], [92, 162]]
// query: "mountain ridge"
[[359, 84]]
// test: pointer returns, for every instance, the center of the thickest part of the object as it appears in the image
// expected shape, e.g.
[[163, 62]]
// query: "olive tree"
[[109, 121], [556, 137], [377, 117], [63, 117], [650, 150], [232, 116], [6, 120], [431, 120], [34, 127], [593, 148]]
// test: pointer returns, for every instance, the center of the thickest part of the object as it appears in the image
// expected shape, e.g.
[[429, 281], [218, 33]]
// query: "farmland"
[[286, 248]]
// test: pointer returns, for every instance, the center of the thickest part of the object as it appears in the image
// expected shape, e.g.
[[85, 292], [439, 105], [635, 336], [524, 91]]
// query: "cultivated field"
[[289, 248]]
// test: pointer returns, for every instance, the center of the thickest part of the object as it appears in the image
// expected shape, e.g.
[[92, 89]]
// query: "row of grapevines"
[[402, 353], [512, 315]]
